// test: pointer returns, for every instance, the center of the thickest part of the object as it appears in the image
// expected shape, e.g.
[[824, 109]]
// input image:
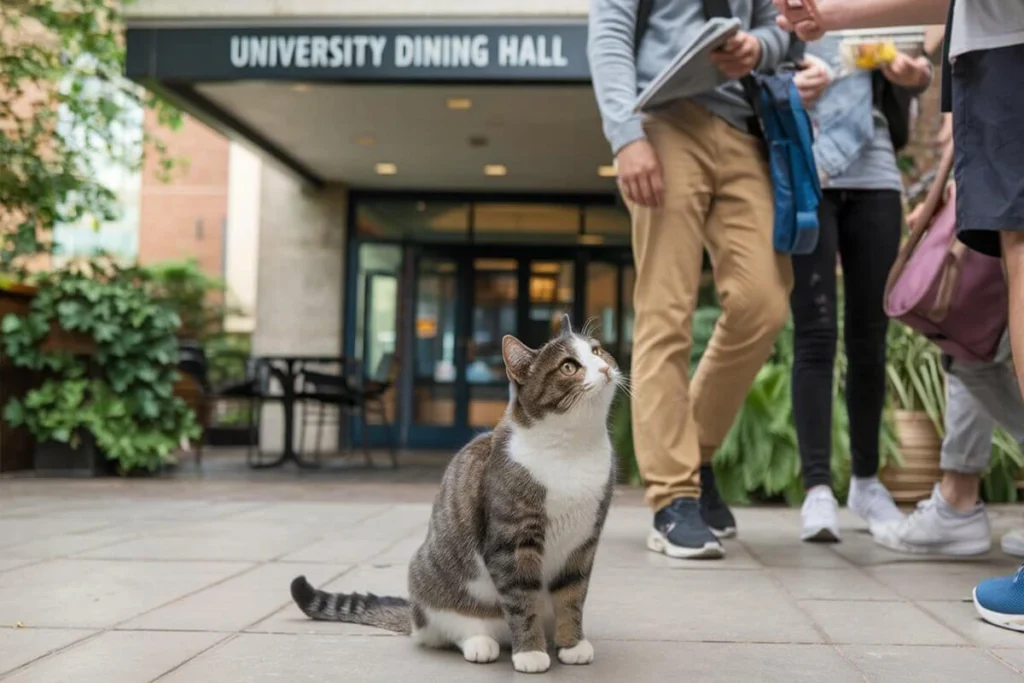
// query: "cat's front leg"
[[568, 593], [515, 562]]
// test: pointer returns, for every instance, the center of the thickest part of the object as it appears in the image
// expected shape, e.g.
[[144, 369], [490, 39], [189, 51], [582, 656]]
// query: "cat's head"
[[569, 374]]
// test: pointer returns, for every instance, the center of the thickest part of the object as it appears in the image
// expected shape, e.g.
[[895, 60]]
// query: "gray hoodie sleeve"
[[774, 41], [613, 69]]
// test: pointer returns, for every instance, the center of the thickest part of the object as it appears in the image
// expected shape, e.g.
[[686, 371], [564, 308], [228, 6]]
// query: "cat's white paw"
[[480, 649], [581, 653], [535, 662]]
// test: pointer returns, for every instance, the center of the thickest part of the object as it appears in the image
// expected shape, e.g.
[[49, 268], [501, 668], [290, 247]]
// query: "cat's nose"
[[607, 370]]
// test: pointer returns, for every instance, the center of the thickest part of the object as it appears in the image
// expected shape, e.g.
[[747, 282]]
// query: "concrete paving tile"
[[831, 584], [784, 551], [928, 664], [694, 606], [313, 659], [19, 646], [1013, 657], [218, 540], [66, 545], [17, 530], [934, 581], [116, 657], [390, 580], [78, 593], [625, 545], [236, 603], [963, 618], [328, 516], [873, 623], [8, 563], [340, 550]]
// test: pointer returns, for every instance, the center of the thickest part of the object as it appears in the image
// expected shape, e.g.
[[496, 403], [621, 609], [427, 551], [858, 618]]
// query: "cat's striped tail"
[[392, 614]]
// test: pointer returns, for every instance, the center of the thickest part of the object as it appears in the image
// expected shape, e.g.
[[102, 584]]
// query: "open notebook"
[[691, 72]]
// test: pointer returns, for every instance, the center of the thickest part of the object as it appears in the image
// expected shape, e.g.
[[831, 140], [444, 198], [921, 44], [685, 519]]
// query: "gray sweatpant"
[[978, 397]]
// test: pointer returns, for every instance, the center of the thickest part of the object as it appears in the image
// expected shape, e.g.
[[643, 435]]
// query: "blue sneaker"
[[1000, 601]]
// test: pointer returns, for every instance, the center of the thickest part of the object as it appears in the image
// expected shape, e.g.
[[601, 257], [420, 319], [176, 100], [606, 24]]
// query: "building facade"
[[432, 177]]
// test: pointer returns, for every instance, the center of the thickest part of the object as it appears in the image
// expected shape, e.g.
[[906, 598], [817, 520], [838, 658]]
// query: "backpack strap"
[[721, 9], [643, 20]]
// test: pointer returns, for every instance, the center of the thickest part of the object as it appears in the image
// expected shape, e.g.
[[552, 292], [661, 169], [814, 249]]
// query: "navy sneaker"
[[713, 510], [1000, 601], [680, 532]]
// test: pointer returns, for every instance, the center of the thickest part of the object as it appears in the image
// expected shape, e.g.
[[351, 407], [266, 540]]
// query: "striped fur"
[[515, 527]]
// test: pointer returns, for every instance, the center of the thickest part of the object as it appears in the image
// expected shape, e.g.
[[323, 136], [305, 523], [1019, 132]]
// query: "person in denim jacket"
[[860, 215]]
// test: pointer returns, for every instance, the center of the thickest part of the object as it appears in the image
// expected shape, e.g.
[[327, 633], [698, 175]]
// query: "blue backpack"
[[788, 135], [785, 127]]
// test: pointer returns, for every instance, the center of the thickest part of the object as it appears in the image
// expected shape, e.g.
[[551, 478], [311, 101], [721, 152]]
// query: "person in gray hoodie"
[[694, 176]]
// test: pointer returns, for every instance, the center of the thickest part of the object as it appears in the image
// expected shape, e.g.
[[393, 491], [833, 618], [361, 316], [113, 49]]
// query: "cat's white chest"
[[575, 482]]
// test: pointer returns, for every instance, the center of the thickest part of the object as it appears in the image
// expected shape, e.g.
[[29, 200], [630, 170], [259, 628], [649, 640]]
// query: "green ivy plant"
[[122, 395]]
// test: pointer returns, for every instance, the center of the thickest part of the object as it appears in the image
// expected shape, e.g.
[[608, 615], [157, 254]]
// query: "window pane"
[[534, 223], [628, 280], [423, 221], [434, 367], [602, 302], [551, 296], [376, 260], [606, 225], [495, 298]]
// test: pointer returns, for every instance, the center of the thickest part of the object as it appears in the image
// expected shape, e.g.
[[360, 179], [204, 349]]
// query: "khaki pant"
[[718, 196]]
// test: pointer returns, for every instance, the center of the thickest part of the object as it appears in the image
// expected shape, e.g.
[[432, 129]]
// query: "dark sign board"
[[361, 53]]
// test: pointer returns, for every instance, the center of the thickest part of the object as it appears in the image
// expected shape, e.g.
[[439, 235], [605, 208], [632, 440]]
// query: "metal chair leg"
[[321, 412], [366, 435], [391, 437]]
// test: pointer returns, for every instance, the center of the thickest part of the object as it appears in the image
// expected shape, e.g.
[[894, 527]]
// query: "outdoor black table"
[[286, 369]]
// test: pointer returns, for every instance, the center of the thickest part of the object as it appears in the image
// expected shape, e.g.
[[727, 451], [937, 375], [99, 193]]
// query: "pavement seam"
[[227, 638], [92, 635]]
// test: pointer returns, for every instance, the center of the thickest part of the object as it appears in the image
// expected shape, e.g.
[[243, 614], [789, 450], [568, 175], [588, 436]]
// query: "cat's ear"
[[566, 325], [518, 357]]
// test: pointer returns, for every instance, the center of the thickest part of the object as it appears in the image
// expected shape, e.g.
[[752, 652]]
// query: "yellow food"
[[873, 55]]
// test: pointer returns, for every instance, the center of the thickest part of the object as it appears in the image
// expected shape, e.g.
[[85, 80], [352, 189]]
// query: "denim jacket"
[[843, 116], [845, 122]]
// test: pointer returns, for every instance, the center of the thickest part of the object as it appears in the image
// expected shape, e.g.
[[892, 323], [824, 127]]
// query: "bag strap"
[[643, 20], [931, 203]]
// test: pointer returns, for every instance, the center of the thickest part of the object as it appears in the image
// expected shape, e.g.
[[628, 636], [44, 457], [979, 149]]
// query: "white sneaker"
[[872, 502], [1013, 543], [820, 516], [937, 529]]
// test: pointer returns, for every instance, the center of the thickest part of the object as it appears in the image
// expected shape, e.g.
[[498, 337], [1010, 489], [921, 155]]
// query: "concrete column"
[[300, 280], [241, 244]]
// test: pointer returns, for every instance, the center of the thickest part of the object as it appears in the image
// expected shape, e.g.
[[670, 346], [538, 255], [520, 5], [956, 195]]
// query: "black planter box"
[[230, 436], [56, 459]]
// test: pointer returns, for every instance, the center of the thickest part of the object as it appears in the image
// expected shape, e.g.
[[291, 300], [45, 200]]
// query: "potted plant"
[[917, 395], [117, 402]]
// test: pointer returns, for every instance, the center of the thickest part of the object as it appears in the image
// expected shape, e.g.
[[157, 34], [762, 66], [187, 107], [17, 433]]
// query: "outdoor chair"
[[203, 397], [333, 396]]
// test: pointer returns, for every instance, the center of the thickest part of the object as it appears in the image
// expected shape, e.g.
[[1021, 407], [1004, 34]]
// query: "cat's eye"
[[569, 368], [596, 350]]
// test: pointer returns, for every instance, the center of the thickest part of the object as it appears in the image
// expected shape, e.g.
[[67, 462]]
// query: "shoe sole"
[[1014, 622], [657, 543], [955, 549], [727, 532], [824, 535]]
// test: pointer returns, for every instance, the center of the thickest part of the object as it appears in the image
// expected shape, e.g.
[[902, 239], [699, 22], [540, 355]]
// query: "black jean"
[[863, 228]]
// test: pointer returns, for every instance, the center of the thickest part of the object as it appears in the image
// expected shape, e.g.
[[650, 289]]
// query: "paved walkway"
[[186, 580]]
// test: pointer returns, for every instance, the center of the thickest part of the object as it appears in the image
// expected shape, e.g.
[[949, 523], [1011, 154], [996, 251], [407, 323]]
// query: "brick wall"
[[186, 217]]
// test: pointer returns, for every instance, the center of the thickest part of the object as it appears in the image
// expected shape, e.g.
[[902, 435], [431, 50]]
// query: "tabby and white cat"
[[514, 529]]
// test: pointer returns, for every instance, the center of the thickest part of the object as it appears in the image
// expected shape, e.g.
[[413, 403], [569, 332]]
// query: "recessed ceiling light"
[[364, 140], [606, 171], [301, 87], [459, 103], [495, 170], [590, 239], [386, 168]]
